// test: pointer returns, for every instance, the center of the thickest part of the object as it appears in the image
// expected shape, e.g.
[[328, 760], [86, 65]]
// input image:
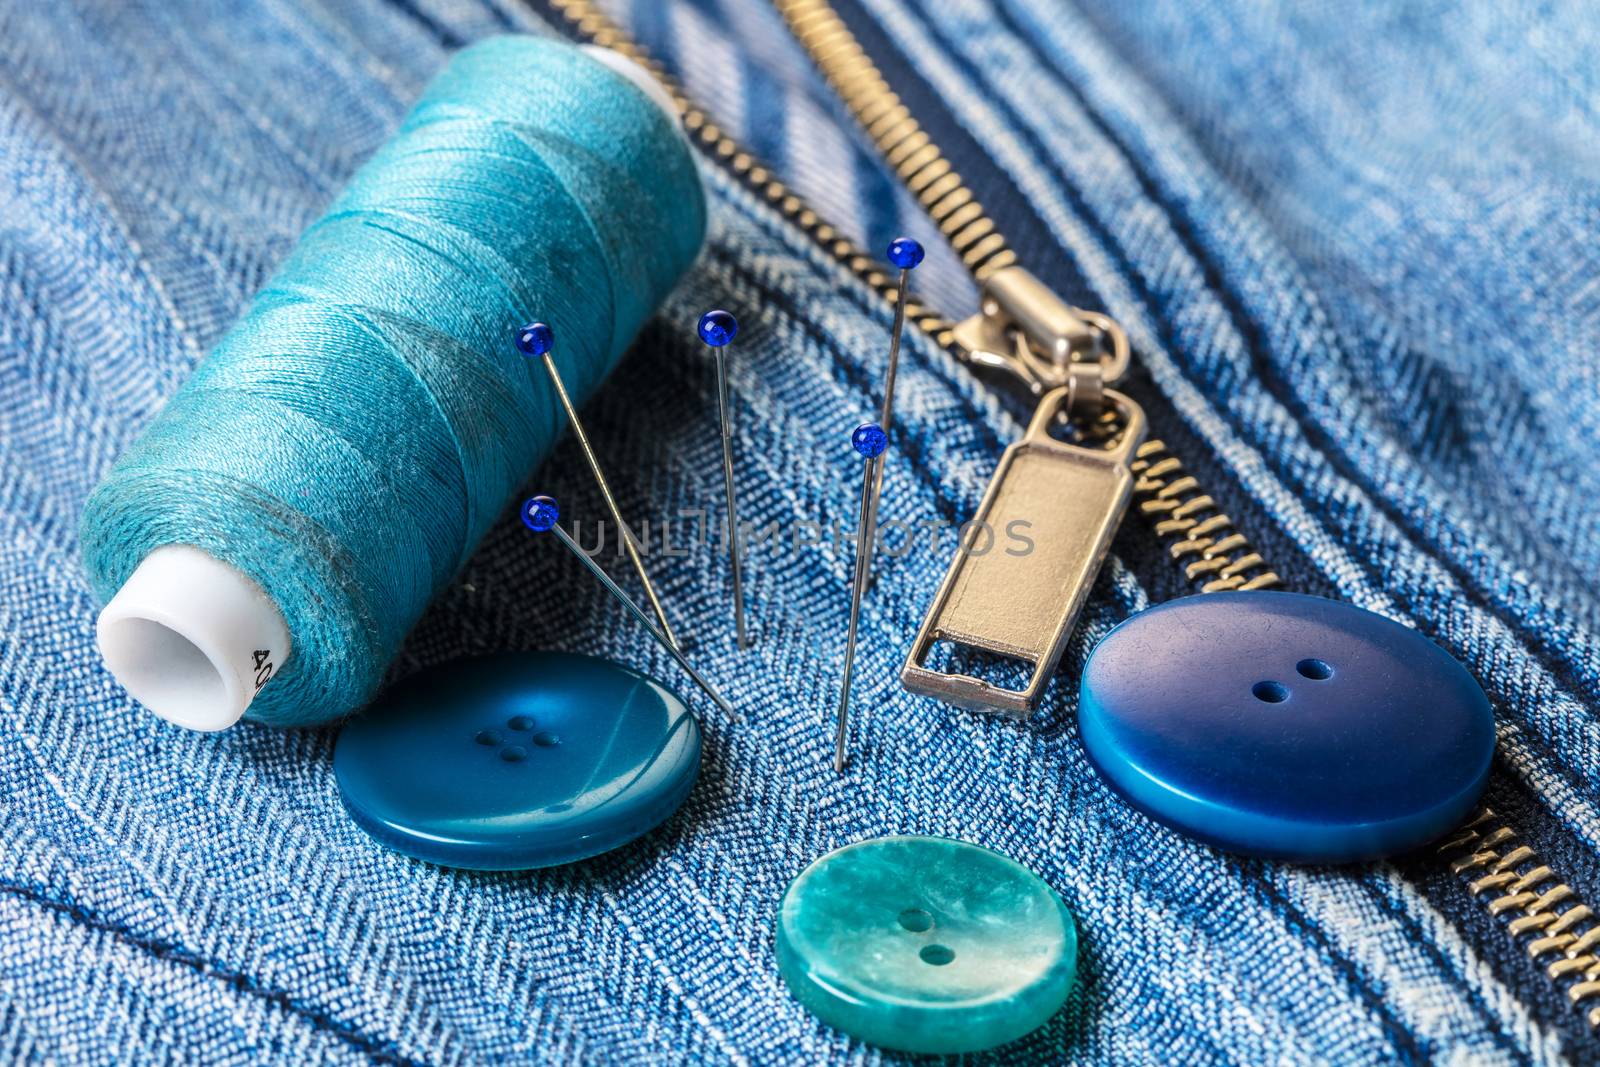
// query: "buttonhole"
[[1270, 692], [1315, 669], [937, 955], [487, 737], [520, 722], [916, 920]]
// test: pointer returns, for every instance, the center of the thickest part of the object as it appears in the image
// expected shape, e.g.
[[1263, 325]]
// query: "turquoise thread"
[[354, 435]]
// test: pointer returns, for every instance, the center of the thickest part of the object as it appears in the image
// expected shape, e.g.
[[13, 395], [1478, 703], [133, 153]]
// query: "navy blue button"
[[522, 760], [1286, 726]]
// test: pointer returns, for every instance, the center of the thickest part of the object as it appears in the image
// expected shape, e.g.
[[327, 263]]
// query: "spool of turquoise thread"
[[350, 440]]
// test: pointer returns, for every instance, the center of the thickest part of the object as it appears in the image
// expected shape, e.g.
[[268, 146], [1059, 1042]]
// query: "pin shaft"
[[733, 508], [644, 620], [628, 541], [886, 411], [864, 536]]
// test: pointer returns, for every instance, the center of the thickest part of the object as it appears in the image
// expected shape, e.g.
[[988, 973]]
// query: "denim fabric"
[[1356, 254]]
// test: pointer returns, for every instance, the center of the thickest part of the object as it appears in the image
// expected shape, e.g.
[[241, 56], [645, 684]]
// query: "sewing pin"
[[905, 253], [870, 441], [537, 339], [541, 515], [717, 328]]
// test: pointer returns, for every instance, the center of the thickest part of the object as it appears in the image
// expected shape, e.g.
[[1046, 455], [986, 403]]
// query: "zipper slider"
[[1027, 332], [1065, 500]]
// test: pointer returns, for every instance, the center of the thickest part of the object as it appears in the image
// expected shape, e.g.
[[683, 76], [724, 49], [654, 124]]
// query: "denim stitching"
[[1132, 274], [1241, 320], [443, 34], [1254, 343], [1251, 334], [382, 1051]]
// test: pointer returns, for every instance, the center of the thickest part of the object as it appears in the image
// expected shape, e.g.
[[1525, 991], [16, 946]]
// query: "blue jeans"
[[1356, 253]]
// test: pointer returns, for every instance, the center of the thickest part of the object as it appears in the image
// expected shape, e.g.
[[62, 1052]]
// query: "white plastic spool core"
[[192, 638]]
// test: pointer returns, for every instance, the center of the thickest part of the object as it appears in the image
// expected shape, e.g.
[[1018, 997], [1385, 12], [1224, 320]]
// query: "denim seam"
[[446, 37], [83, 918], [1402, 1035], [1113, 249], [508, 21], [1430, 948], [1251, 335], [1248, 332], [1255, 344]]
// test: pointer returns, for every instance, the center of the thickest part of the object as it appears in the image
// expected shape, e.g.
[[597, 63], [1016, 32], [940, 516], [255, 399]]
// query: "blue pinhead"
[[869, 440], [905, 253], [535, 339], [718, 327], [540, 513]]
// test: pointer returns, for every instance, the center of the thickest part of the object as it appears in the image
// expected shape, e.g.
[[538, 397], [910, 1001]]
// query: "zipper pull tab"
[[1066, 501]]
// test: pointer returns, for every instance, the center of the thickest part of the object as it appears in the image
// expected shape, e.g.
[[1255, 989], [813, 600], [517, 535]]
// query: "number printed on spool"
[[263, 667]]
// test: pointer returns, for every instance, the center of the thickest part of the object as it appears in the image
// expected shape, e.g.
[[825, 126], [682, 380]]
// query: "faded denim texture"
[[1356, 252]]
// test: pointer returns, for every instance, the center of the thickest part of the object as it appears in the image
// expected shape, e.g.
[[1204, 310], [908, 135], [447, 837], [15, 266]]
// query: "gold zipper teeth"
[[1200, 537], [1513, 882], [903, 143], [592, 24]]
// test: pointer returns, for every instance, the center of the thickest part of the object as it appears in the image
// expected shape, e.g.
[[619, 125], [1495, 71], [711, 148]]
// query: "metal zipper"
[[1023, 331], [905, 147], [1516, 887], [1197, 533]]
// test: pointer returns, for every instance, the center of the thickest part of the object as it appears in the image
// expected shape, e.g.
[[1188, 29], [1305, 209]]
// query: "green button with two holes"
[[924, 944]]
